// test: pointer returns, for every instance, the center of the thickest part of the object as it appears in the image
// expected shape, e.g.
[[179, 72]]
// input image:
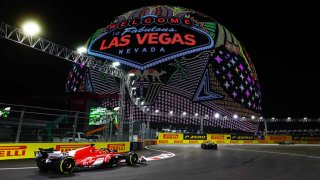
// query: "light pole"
[[82, 49], [31, 28]]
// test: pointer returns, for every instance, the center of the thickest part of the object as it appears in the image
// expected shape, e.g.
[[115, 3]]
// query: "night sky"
[[281, 39]]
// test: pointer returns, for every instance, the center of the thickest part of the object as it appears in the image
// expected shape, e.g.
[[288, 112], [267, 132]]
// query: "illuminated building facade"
[[182, 61]]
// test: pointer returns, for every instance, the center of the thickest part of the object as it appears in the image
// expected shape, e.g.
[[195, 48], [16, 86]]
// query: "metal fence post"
[[148, 126], [131, 130], [19, 128], [105, 134], [131, 123], [143, 132], [265, 126], [110, 137], [75, 126], [122, 105], [201, 125]]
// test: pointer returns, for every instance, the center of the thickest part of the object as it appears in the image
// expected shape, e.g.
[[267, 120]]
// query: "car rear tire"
[[65, 165], [132, 158], [42, 165], [215, 147]]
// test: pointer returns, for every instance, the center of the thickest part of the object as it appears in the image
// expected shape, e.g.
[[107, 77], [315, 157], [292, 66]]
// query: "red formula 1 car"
[[82, 158]]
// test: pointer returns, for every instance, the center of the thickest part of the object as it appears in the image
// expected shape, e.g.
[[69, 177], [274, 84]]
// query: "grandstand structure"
[[290, 126]]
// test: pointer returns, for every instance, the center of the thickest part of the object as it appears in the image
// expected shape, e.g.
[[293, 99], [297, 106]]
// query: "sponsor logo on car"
[[9, 151], [67, 148], [118, 147]]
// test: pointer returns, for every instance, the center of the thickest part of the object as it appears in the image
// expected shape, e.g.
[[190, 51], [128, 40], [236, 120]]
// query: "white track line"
[[166, 155], [291, 154], [158, 150], [18, 168]]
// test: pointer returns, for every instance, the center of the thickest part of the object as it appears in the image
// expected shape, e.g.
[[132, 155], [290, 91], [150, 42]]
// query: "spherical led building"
[[185, 68]]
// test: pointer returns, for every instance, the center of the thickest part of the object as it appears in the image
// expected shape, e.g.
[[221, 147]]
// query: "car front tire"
[[132, 158]]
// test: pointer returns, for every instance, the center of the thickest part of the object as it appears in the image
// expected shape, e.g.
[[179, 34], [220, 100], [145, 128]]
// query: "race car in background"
[[285, 143], [209, 145], [82, 158]]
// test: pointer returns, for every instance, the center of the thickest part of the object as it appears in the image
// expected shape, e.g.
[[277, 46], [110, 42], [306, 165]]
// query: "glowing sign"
[[5, 112], [98, 115], [182, 60], [101, 115], [151, 40]]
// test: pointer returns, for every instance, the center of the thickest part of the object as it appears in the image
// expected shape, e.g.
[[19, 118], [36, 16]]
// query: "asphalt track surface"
[[230, 162]]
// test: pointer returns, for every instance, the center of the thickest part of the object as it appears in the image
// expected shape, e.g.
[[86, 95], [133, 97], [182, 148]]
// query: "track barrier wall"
[[178, 138], [26, 150]]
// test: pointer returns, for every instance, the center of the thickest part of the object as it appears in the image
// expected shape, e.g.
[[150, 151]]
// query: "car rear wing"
[[43, 152]]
